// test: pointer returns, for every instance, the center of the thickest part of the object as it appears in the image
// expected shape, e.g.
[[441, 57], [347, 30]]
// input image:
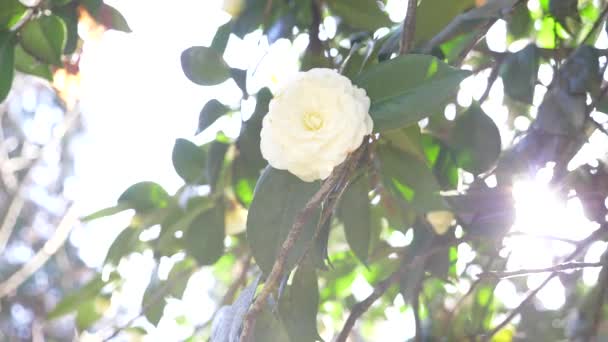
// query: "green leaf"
[[279, 197], [354, 211], [215, 162], [476, 139], [189, 161], [93, 6], [410, 179], [45, 38], [433, 15], [144, 196], [124, 244], [212, 111], [7, 62], [105, 212], [69, 15], [11, 12], [269, 328], [360, 14], [204, 66], [91, 311], [112, 19], [28, 64], [299, 305], [408, 88], [204, 239], [179, 275], [154, 299], [519, 73], [72, 301], [220, 40]]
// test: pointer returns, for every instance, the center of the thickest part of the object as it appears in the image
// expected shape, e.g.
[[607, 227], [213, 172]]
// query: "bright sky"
[[136, 101]]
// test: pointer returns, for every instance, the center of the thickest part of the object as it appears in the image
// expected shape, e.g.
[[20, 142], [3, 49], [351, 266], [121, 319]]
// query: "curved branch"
[[409, 27]]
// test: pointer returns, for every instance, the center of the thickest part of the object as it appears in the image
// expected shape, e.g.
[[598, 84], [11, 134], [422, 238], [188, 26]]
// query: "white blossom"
[[314, 121]]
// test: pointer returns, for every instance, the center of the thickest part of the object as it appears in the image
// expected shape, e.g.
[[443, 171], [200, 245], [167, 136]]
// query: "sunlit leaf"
[[144, 196], [409, 88], [279, 197], [45, 38]]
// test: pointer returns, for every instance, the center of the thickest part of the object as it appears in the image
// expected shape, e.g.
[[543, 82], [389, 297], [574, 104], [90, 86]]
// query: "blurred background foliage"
[[475, 212]]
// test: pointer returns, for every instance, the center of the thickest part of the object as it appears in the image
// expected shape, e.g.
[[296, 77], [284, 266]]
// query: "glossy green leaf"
[[477, 140], [299, 305], [212, 111], [72, 301], [519, 73], [69, 15], [112, 19], [144, 196], [433, 15], [11, 12], [189, 161], [28, 64], [410, 179], [360, 14], [279, 197], [45, 38], [354, 211], [408, 88], [204, 66], [7, 62], [204, 239]]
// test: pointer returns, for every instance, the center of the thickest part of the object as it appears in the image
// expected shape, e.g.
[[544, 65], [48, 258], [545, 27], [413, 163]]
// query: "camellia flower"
[[313, 123]]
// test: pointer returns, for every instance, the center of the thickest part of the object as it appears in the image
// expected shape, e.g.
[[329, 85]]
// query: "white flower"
[[313, 123]]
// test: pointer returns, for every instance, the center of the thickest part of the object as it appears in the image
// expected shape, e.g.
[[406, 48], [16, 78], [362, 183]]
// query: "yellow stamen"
[[312, 121]]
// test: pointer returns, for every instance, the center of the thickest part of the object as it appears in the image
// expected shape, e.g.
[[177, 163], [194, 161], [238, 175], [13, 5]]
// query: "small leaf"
[[154, 299], [204, 66], [189, 161], [45, 38], [111, 18], [144, 196], [279, 197], [7, 62], [124, 244], [105, 212], [360, 14], [215, 161], [71, 302], [11, 12], [28, 64], [299, 306], [91, 311], [354, 211], [220, 40], [410, 179], [477, 140], [519, 73], [408, 88], [212, 111], [204, 239]]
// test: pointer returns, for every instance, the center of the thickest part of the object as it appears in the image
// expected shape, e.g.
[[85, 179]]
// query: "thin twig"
[[544, 237], [360, 308], [491, 79], [581, 246], [473, 42], [43, 255], [409, 27], [523, 272], [276, 274]]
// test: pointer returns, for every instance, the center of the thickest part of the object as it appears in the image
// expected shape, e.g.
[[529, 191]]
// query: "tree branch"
[[360, 308], [557, 268], [581, 246], [409, 27], [300, 220], [43, 255]]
